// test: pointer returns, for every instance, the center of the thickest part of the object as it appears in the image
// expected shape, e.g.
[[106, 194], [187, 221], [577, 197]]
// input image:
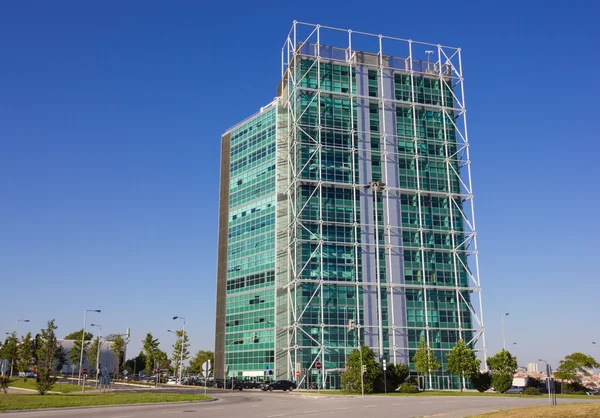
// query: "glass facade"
[[249, 330], [347, 202]]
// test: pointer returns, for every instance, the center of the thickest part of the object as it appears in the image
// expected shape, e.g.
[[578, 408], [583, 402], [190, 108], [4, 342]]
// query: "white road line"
[[311, 412], [370, 406], [398, 404], [451, 401], [425, 403], [276, 415], [340, 409], [123, 416]]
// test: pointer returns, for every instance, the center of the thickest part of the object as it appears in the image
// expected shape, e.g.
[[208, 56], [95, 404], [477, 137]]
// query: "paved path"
[[256, 404]]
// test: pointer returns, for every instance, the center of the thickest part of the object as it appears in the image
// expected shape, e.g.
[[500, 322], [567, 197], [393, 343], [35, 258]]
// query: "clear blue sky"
[[110, 120]]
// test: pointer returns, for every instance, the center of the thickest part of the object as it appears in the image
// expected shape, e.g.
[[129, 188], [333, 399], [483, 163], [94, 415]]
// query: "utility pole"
[[83, 341]]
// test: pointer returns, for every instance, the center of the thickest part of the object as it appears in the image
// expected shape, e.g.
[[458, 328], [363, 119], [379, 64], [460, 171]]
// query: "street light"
[[98, 353], [12, 363], [83, 340], [182, 344], [503, 339]]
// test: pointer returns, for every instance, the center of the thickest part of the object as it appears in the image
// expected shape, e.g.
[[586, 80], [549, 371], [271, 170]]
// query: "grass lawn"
[[30, 384], [14, 402], [559, 411]]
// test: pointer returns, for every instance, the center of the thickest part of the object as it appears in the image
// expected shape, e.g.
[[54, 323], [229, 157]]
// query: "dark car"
[[279, 385], [515, 390], [248, 384]]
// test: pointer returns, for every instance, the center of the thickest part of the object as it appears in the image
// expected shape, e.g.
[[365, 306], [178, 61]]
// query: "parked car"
[[248, 384], [595, 392], [279, 385], [516, 390]]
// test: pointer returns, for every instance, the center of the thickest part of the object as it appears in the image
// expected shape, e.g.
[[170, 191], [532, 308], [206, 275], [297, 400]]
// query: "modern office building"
[[348, 198]]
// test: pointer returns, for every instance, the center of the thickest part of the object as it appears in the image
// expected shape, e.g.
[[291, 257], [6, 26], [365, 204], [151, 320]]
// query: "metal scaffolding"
[[339, 142]]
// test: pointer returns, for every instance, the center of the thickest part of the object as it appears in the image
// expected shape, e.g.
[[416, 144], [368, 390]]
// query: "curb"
[[73, 408]]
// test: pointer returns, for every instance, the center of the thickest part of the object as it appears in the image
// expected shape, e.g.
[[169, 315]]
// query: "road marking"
[[425, 403], [370, 406], [311, 412], [451, 401], [397, 404], [340, 409], [276, 415], [172, 412]]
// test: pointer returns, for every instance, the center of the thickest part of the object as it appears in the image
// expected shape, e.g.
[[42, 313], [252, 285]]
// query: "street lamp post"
[[83, 340], [182, 345], [503, 338], [12, 363], [98, 353]]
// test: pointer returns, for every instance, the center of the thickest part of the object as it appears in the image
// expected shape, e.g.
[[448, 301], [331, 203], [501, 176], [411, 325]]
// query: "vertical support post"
[[82, 344]]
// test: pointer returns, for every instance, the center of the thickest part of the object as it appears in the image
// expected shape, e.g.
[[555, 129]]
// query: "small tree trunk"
[[462, 377]]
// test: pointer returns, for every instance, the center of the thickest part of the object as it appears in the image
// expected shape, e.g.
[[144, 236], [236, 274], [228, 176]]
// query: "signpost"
[[206, 372], [319, 366], [84, 372]]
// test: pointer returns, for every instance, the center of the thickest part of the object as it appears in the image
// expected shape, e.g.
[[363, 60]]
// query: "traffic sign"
[[206, 368], [318, 365], [297, 374], [84, 371]]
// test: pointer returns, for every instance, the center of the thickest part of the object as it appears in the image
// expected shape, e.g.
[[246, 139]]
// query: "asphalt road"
[[257, 404]]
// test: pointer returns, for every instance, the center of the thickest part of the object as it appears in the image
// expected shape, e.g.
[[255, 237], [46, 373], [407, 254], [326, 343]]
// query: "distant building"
[[532, 368], [108, 360]]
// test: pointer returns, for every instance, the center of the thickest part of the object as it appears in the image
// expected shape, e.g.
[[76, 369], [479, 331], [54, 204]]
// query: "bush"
[[502, 382], [532, 382], [572, 388], [407, 388], [531, 391], [395, 375], [481, 381]]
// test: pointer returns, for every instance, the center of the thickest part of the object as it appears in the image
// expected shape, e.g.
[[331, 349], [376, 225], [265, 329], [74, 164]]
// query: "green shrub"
[[407, 388], [532, 382], [502, 382], [481, 381], [531, 391]]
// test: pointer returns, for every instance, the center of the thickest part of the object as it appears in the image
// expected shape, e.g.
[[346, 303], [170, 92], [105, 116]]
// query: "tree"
[[46, 353], [92, 354], [60, 357], [136, 364], [462, 361], [199, 359], [176, 357], [9, 350], [502, 362], [149, 346], [25, 354], [503, 366], [425, 362], [394, 375], [118, 348], [75, 353], [502, 381], [351, 378], [574, 365], [76, 335], [481, 381]]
